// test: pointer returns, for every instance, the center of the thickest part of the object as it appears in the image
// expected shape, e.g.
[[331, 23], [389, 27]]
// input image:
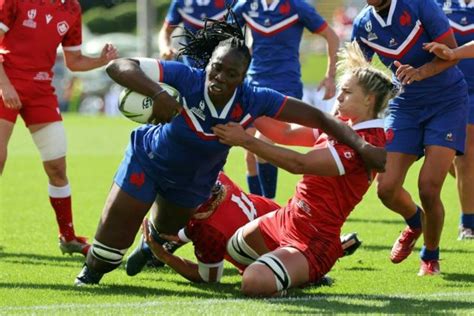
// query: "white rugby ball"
[[138, 107]]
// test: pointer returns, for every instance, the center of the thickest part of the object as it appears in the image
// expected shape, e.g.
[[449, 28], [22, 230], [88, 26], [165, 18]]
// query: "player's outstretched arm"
[[167, 52], [317, 161], [329, 81], [76, 61], [407, 74], [285, 133], [446, 53], [299, 112], [186, 268]]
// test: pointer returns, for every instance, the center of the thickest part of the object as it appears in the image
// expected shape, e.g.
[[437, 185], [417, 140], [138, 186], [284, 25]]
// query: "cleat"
[[429, 267], [350, 243], [465, 233], [326, 280], [87, 277], [139, 257], [404, 244], [76, 245]]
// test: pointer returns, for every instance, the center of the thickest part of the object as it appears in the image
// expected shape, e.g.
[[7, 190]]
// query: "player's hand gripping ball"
[[138, 107]]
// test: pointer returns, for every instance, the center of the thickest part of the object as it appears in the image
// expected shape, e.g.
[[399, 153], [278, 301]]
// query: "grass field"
[[36, 279]]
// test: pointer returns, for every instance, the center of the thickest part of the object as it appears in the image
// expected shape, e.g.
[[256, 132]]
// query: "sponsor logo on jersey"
[[42, 76], [267, 22], [464, 21], [188, 6], [348, 155], [253, 9], [405, 19], [199, 112], [372, 36], [392, 42], [49, 17], [447, 7], [62, 27], [30, 21], [137, 179], [303, 206], [368, 26]]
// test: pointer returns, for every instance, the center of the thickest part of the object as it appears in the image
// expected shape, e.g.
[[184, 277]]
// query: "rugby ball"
[[138, 107]]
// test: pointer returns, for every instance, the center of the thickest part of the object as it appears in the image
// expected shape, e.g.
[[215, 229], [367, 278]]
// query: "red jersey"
[[33, 31], [210, 235], [329, 200]]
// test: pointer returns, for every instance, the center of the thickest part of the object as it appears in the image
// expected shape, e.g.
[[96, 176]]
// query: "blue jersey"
[[461, 19], [185, 153], [192, 14], [400, 36], [277, 29]]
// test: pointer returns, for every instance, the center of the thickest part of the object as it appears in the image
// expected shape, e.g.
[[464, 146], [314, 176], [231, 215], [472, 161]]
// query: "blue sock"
[[254, 184], [415, 221], [426, 254], [268, 179], [467, 220]]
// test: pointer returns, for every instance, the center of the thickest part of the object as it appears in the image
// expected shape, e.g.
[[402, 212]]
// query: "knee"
[[386, 190], [429, 193], [255, 281]]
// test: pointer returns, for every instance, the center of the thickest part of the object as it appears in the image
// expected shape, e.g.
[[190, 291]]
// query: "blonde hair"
[[352, 63]]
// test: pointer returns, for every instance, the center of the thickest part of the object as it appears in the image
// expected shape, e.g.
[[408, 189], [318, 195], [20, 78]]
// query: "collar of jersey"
[[213, 109], [463, 4], [376, 123], [270, 7], [381, 21]]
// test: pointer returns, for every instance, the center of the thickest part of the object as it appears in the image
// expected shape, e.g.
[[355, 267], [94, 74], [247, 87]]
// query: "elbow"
[[112, 69], [296, 166]]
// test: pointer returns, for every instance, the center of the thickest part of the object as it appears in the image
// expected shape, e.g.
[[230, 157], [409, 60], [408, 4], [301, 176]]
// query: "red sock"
[[60, 198]]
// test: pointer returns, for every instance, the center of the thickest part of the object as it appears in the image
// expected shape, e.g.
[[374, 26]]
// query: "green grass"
[[36, 279]]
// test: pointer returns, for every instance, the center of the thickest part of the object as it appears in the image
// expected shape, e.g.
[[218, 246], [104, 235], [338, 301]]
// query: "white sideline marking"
[[233, 301]]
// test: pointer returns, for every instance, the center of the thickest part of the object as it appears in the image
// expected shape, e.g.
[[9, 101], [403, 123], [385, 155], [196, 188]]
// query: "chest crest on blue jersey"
[[30, 21], [447, 7], [393, 42], [267, 22], [464, 21]]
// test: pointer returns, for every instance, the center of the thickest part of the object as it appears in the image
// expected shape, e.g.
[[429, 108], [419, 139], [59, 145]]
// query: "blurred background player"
[[461, 18], [173, 165], [277, 29], [191, 13], [30, 34], [422, 120], [299, 243]]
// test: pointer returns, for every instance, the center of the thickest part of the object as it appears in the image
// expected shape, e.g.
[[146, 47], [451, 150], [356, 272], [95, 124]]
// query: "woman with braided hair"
[[173, 164]]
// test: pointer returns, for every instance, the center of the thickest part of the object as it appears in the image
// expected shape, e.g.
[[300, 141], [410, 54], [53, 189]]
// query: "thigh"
[[396, 169], [40, 104], [121, 218], [6, 130], [168, 217], [436, 158]]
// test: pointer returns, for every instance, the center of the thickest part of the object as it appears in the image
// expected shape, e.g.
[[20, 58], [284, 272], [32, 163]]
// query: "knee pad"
[[107, 254], [51, 141], [282, 277], [239, 250]]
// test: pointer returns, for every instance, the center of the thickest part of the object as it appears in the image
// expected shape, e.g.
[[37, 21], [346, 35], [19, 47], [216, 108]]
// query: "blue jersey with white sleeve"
[[191, 13], [185, 154], [400, 36], [461, 19], [277, 30]]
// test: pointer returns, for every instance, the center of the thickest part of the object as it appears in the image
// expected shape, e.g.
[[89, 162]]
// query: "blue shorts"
[[411, 127], [470, 119], [132, 178]]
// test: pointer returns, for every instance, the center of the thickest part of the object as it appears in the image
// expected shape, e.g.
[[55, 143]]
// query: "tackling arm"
[[76, 61]]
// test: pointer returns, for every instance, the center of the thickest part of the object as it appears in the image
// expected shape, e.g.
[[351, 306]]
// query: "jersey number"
[[245, 205]]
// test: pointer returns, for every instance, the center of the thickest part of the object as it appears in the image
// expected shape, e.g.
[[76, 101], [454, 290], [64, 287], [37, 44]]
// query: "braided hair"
[[216, 33], [373, 81]]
